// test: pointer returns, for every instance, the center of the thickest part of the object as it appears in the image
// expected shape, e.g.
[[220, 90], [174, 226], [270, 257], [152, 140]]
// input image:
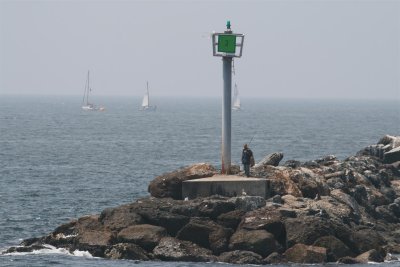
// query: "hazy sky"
[[307, 49]]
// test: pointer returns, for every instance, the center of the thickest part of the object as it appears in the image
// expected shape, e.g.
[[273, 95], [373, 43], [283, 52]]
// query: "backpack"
[[252, 162]]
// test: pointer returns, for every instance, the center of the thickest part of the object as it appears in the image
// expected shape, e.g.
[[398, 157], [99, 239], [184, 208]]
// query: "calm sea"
[[58, 162]]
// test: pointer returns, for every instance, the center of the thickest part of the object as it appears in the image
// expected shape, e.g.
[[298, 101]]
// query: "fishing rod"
[[251, 140]]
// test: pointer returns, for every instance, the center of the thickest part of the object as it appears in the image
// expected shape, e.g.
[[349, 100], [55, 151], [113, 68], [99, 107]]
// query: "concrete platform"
[[226, 185]]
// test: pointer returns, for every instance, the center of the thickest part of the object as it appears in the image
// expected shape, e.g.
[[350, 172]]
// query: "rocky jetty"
[[325, 210]]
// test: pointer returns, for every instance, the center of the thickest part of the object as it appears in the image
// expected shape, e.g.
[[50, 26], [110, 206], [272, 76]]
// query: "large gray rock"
[[206, 233], [213, 207], [170, 184], [126, 251], [306, 230], [387, 149], [170, 221], [231, 219], [371, 255], [120, 217], [241, 257], [392, 155], [96, 238], [301, 253], [271, 159], [390, 140], [30, 248], [336, 249], [258, 241], [145, 235], [367, 239], [275, 258], [172, 249], [249, 203], [266, 219]]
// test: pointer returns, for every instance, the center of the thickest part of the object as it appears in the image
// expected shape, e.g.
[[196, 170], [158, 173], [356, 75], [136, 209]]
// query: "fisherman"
[[247, 159]]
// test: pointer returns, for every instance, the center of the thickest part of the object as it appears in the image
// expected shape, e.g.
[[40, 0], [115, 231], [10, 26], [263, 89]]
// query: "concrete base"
[[226, 185]]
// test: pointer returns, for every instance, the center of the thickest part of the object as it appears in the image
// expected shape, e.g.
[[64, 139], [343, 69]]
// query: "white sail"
[[146, 101], [236, 99], [86, 105]]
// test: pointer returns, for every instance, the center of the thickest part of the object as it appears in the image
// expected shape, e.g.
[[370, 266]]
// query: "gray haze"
[[305, 49]]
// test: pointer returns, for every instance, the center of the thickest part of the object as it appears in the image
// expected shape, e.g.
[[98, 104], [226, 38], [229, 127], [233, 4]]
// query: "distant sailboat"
[[86, 105], [236, 99], [146, 101]]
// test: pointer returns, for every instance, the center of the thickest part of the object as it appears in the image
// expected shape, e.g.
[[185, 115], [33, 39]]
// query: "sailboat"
[[236, 99], [146, 101], [86, 105]]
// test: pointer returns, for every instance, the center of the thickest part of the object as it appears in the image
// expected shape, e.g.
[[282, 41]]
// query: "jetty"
[[323, 210]]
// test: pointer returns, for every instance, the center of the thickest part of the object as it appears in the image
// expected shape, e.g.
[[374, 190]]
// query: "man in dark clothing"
[[247, 156]]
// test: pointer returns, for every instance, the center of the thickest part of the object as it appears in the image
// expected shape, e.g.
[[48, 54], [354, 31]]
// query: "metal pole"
[[226, 115]]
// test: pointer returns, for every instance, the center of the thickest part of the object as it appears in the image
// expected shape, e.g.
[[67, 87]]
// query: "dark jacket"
[[246, 155]]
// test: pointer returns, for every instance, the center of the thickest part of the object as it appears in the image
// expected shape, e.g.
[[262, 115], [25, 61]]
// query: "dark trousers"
[[247, 169]]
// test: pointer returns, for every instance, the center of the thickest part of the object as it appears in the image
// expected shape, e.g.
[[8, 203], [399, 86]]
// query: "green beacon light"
[[227, 43]]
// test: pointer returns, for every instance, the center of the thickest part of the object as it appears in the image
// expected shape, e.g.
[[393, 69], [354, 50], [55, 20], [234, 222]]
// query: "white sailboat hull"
[[93, 108], [236, 108], [149, 108]]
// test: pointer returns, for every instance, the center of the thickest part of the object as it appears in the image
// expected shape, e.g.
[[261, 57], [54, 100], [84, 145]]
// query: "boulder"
[[170, 184], [275, 258], [336, 249], [370, 255], [306, 230], [93, 241], [301, 253], [213, 207], [395, 209], [292, 164], [88, 223], [282, 183], [66, 228], [240, 257], [248, 203], [392, 155], [392, 141], [206, 233], [309, 183], [271, 159], [96, 238], [384, 213], [172, 249], [367, 239], [258, 241], [327, 160], [231, 219], [387, 149], [126, 251], [170, 221], [348, 260], [269, 220], [145, 235], [350, 208], [118, 218], [30, 248]]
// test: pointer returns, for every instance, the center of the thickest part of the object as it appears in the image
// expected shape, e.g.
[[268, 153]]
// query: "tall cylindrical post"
[[226, 115], [225, 45]]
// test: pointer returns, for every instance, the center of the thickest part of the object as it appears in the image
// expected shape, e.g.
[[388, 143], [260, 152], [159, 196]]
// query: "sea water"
[[58, 163]]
